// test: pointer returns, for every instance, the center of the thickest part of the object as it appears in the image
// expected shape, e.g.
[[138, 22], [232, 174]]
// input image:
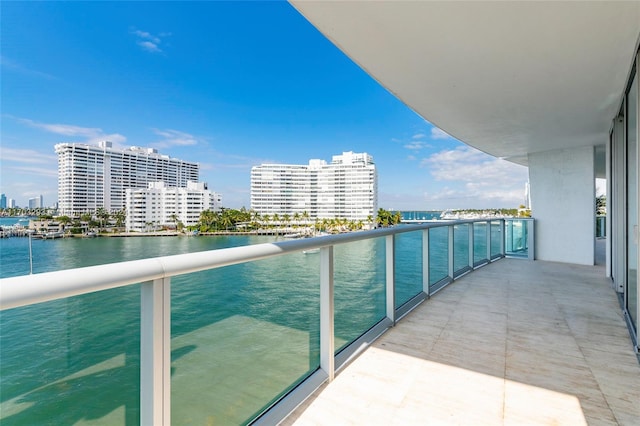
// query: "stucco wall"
[[563, 204]]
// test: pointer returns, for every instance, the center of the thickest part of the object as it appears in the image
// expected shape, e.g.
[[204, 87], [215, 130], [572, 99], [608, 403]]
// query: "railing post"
[[471, 248], [155, 352], [450, 252], [530, 238], [327, 343], [390, 284], [503, 237], [425, 262]]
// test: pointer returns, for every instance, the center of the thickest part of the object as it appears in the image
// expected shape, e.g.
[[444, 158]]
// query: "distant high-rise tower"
[[36, 202], [347, 188], [91, 177], [3, 201]]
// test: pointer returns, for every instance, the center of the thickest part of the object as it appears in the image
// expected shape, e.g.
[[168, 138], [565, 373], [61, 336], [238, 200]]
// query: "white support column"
[[327, 343], [425, 262], [471, 254], [391, 294], [155, 352], [562, 197]]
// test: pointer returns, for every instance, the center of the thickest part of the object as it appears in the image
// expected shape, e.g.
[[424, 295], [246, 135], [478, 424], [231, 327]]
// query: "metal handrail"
[[29, 289], [154, 276]]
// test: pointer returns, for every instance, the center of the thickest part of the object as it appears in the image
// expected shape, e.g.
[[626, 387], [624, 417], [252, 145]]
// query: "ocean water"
[[241, 335]]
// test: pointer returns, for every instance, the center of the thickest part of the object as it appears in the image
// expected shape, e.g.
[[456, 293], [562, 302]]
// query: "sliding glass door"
[[631, 296]]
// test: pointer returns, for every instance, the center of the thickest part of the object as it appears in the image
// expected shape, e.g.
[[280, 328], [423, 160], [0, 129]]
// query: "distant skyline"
[[229, 85]]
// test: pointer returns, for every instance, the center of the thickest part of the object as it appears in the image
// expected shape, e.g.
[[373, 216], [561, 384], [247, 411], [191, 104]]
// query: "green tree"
[[120, 216], [64, 220], [601, 205], [103, 215]]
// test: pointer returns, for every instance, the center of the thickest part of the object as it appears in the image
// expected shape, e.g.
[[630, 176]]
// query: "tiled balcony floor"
[[513, 343]]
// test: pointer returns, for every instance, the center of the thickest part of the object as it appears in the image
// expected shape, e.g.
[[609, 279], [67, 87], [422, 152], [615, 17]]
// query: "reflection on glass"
[[496, 238], [359, 302], [479, 242], [242, 336], [408, 266], [70, 360], [460, 247], [438, 254], [516, 239], [632, 203]]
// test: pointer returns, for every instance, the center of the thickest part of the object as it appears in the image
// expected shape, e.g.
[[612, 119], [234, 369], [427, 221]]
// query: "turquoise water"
[[241, 335]]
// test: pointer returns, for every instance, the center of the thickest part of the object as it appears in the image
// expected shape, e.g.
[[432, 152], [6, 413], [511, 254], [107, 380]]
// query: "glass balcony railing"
[[229, 336], [601, 226], [519, 238]]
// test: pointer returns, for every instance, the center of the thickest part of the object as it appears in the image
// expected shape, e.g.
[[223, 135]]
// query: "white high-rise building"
[[36, 202], [94, 176], [346, 188], [160, 205]]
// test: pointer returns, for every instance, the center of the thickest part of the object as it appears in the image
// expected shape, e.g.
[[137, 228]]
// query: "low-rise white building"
[[158, 205]]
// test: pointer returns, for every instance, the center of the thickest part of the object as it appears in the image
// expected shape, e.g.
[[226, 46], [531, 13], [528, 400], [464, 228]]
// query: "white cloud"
[[149, 46], [90, 135], [149, 42], [467, 164], [28, 156], [418, 136], [174, 138], [416, 145], [474, 179], [38, 171], [439, 134], [146, 35], [15, 66]]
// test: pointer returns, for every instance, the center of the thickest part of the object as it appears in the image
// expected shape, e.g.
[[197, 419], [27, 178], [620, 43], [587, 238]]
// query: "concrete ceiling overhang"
[[509, 78]]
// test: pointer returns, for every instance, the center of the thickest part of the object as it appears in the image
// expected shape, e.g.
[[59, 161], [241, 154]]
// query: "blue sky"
[[229, 85]]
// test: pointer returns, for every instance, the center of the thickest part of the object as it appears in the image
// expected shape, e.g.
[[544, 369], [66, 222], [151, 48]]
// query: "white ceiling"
[[508, 78]]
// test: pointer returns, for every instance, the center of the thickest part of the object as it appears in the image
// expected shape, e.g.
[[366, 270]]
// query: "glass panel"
[[496, 238], [72, 361], [408, 266], [479, 242], [461, 247], [242, 336], [516, 239], [359, 289], [438, 254], [632, 203]]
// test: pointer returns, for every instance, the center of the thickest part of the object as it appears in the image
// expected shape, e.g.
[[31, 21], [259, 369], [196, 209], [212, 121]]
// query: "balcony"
[[506, 329], [513, 343]]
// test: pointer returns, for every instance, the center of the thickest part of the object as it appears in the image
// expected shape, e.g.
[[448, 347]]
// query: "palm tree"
[[226, 219], [396, 218], [174, 219], [384, 217], [120, 217], [64, 221], [86, 217], [103, 215]]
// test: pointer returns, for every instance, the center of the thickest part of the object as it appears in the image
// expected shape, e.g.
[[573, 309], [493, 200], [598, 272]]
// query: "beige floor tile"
[[513, 343]]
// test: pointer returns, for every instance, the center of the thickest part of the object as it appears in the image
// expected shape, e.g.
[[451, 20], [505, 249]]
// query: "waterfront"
[[241, 335]]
